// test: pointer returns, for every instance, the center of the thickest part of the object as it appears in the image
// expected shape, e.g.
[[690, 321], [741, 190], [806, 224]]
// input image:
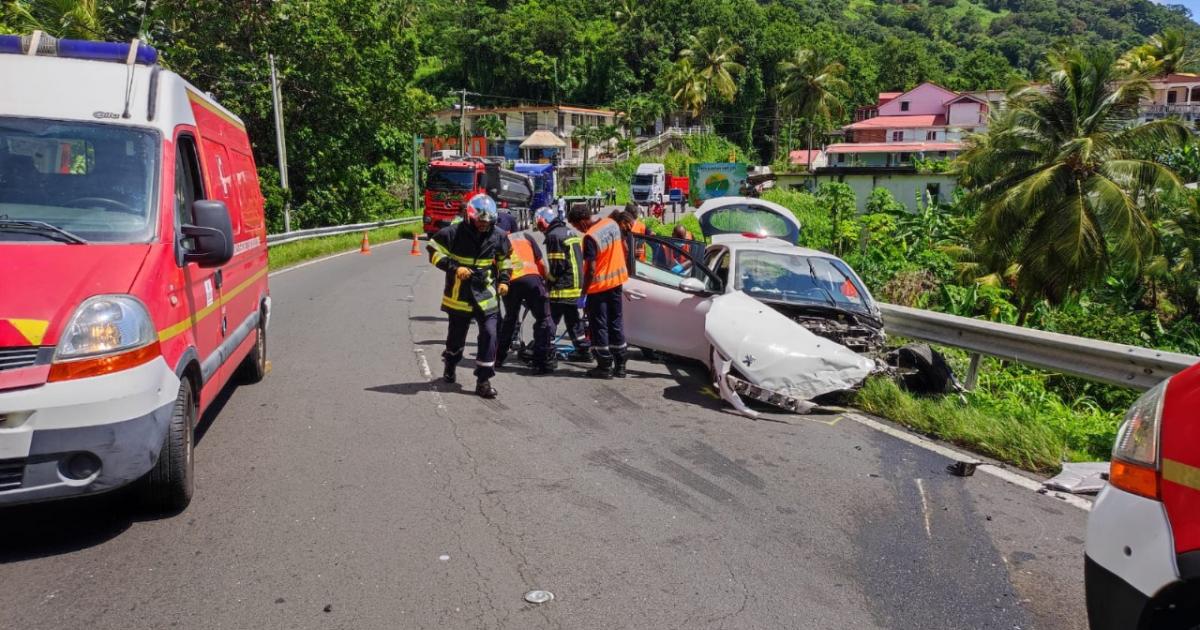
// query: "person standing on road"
[[604, 273], [476, 258], [506, 221], [564, 277], [527, 287]]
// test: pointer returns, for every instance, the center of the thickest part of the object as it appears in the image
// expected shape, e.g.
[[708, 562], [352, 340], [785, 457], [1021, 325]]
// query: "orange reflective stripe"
[[608, 270]]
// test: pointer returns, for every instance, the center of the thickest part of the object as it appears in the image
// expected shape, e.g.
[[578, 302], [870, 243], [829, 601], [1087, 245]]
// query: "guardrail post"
[[973, 371]]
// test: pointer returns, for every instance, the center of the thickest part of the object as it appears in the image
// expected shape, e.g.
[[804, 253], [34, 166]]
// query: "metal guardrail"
[[1118, 364], [334, 230]]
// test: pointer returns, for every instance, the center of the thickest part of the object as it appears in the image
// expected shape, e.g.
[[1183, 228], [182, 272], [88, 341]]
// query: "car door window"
[[188, 185], [671, 261]]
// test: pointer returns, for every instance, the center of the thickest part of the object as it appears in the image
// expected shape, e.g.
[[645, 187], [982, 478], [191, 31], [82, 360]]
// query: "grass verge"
[[1036, 434], [290, 254]]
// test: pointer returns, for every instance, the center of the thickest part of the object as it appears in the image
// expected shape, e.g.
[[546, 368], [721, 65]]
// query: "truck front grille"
[[14, 358]]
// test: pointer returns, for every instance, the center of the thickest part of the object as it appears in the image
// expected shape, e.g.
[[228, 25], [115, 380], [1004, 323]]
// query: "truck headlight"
[[106, 333], [1135, 454]]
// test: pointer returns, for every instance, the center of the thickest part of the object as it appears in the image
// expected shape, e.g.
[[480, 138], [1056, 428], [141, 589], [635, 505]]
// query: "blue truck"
[[545, 182]]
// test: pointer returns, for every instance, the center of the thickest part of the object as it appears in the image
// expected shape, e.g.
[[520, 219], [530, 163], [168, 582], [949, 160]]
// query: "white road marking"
[[423, 365], [924, 506], [991, 469], [320, 260]]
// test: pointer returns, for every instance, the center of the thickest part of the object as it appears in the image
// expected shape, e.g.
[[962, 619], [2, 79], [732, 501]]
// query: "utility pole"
[[281, 147], [462, 118], [416, 178]]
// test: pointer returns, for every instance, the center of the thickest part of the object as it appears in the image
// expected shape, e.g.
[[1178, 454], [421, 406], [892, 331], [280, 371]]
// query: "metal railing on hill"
[[1114, 363], [334, 230]]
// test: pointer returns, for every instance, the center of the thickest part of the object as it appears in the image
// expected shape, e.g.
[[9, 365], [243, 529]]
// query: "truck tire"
[[254, 366], [167, 488]]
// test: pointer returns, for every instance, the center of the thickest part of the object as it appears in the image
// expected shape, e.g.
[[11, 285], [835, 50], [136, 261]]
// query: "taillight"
[[1135, 465]]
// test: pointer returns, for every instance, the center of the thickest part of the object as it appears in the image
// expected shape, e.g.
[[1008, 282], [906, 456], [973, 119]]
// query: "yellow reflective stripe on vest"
[[566, 293], [556, 256]]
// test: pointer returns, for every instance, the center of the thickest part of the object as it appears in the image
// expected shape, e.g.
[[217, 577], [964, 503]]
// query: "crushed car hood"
[[775, 353]]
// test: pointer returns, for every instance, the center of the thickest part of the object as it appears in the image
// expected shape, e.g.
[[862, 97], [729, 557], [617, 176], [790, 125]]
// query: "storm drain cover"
[[538, 597]]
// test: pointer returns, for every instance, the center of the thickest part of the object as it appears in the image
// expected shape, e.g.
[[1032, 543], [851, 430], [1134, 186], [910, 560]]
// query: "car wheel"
[[168, 486], [254, 369]]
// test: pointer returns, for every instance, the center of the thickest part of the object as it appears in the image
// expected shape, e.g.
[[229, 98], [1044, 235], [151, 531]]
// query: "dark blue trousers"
[[605, 322], [456, 341]]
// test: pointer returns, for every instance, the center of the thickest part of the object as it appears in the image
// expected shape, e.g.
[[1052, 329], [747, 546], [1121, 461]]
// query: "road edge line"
[[314, 261], [998, 472]]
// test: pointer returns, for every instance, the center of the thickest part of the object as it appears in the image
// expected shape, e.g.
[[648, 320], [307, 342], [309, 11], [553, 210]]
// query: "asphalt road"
[[348, 491]]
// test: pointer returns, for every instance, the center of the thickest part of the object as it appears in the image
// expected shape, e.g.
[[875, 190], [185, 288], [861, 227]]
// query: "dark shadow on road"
[[412, 389], [41, 530], [428, 318], [214, 409]]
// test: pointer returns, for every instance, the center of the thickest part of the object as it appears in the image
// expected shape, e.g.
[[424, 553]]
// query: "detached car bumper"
[[84, 436]]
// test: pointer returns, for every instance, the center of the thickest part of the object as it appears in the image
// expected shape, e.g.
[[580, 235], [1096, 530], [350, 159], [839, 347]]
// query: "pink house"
[[927, 121]]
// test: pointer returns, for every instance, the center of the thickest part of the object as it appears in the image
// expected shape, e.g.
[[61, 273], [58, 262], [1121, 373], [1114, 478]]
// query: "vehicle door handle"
[[218, 278], [635, 295]]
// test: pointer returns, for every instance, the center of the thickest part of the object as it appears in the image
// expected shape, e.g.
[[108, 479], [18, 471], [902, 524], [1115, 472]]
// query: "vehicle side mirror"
[[211, 235], [692, 285]]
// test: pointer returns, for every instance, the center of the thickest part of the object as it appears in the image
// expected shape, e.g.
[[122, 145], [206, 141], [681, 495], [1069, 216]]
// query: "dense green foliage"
[[361, 76]]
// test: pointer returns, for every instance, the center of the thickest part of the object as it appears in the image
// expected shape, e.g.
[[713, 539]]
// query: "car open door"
[[668, 296]]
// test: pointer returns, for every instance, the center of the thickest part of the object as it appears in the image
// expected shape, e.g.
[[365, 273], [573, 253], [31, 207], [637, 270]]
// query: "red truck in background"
[[449, 183]]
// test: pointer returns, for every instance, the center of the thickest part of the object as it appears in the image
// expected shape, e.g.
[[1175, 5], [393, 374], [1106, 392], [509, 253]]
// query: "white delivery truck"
[[649, 184]]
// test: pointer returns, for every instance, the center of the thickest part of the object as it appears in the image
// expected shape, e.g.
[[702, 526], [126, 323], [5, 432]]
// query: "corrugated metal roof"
[[892, 147]]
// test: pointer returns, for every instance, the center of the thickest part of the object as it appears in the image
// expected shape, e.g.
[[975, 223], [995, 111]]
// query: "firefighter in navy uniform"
[[476, 257], [564, 275], [604, 274], [527, 287]]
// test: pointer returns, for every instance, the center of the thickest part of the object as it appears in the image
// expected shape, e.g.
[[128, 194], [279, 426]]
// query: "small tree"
[[839, 199], [588, 135]]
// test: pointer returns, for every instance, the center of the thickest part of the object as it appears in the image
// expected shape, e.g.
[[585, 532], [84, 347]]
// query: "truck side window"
[[188, 186]]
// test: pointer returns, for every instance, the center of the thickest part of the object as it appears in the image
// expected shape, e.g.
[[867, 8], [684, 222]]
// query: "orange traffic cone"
[[415, 251], [366, 245]]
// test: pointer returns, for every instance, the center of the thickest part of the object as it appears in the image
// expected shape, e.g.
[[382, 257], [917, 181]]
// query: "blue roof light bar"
[[77, 49]]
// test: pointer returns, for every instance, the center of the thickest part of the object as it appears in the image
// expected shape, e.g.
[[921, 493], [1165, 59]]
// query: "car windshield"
[[448, 179], [800, 279], [92, 181], [643, 180]]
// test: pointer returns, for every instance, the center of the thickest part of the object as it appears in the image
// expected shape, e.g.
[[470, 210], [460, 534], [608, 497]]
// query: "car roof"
[[737, 242]]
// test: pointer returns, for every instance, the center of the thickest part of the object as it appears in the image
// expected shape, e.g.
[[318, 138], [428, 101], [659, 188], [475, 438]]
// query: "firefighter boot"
[[603, 369], [484, 389], [448, 373], [619, 357]]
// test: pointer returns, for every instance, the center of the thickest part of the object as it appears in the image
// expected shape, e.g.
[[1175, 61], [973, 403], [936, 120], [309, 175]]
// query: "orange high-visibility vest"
[[609, 269], [639, 250], [524, 261]]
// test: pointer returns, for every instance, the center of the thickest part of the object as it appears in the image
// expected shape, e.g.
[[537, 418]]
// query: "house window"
[[561, 121], [531, 123], [897, 136], [841, 158], [931, 135], [903, 106], [574, 120], [1171, 97], [941, 154], [905, 157]]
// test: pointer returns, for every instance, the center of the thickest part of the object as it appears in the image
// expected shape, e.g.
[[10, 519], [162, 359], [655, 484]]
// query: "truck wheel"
[[254, 368], [168, 486]]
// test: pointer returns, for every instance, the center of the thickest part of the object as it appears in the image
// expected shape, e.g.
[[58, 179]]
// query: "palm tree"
[[808, 89], [711, 57], [588, 135], [1171, 49], [626, 107], [491, 127], [1059, 181], [628, 13], [73, 19], [1138, 62], [686, 88]]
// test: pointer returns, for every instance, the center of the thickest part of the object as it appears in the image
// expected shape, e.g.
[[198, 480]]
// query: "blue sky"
[[1194, 5]]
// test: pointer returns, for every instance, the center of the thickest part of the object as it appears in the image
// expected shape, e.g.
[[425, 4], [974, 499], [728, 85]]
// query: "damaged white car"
[[773, 321]]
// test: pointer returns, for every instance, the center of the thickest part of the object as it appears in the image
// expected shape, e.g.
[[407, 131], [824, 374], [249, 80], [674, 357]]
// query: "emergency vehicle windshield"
[[448, 179], [76, 182]]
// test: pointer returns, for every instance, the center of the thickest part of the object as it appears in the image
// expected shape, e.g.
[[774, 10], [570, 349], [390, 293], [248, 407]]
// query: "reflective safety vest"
[[608, 269], [639, 249], [526, 257], [564, 270]]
